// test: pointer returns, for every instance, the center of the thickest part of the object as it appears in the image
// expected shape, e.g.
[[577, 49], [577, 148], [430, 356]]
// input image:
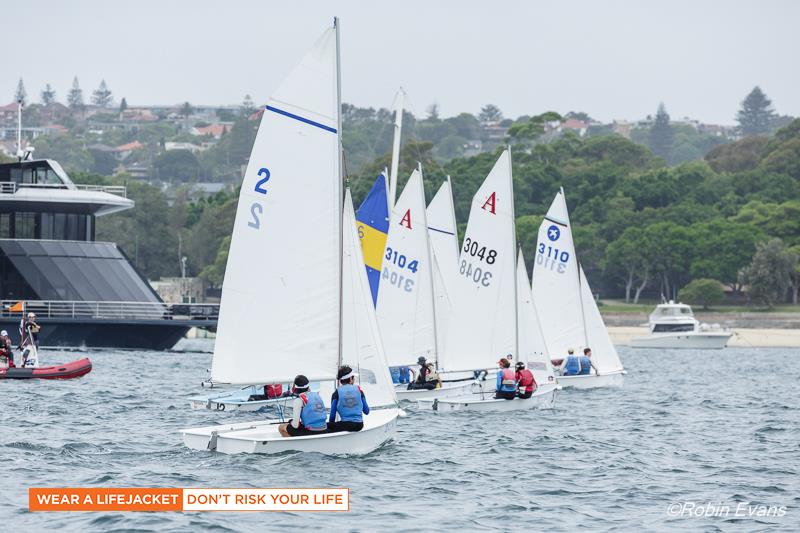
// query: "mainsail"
[[283, 318], [483, 327], [373, 225], [405, 296]]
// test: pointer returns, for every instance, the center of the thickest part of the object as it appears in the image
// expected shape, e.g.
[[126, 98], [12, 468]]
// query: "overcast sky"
[[612, 59]]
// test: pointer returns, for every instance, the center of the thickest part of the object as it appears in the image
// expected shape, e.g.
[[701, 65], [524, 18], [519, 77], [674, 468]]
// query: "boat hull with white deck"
[[592, 381], [689, 340], [263, 437], [542, 398]]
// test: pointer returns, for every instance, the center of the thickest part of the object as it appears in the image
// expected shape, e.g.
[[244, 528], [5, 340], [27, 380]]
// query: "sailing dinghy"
[[567, 310], [485, 324], [296, 299], [406, 301]]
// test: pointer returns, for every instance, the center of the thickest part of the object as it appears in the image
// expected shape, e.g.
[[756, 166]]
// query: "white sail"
[[405, 295], [279, 314], [483, 327], [361, 341], [532, 347], [443, 235], [604, 354], [556, 289]]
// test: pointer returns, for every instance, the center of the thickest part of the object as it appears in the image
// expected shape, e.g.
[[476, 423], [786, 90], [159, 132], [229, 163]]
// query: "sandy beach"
[[753, 337]]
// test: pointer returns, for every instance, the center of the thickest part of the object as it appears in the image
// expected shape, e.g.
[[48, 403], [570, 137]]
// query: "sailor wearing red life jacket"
[[506, 382], [526, 383]]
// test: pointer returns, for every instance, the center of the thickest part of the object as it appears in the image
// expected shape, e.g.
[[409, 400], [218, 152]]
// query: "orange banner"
[[69, 499], [104, 499]]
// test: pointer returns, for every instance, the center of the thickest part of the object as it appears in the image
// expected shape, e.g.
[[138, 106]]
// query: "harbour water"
[[701, 430]]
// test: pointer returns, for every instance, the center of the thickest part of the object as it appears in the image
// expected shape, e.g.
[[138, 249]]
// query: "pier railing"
[[11, 187], [112, 310]]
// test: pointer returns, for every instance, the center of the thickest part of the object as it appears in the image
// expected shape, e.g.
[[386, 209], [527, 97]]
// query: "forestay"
[[361, 341], [405, 295], [556, 288], [279, 314], [532, 347], [604, 354], [484, 315]]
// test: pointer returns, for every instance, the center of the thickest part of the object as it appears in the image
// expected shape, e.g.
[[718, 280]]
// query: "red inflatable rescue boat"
[[73, 369]]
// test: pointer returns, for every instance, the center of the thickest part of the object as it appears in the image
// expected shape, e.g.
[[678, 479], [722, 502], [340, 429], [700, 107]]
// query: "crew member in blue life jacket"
[[586, 362], [571, 365], [349, 402], [308, 409], [506, 387]]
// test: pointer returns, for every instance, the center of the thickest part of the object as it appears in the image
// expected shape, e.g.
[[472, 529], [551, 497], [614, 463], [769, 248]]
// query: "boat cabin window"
[[663, 328], [47, 226], [676, 311], [38, 172]]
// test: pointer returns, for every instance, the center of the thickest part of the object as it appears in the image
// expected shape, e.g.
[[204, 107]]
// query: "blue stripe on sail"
[[374, 211], [554, 221], [441, 231], [374, 277], [301, 119]]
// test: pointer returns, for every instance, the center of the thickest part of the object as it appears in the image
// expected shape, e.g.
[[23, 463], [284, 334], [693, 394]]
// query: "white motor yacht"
[[673, 325]]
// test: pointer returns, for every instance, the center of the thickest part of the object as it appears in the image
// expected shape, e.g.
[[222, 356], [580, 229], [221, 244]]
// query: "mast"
[[19, 130], [340, 182], [453, 214], [398, 130], [514, 237], [580, 292], [430, 267]]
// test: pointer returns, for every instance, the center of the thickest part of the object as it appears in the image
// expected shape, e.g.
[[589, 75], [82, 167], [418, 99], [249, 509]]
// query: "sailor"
[[526, 383], [308, 410], [586, 363], [349, 402], [571, 365], [6, 351], [427, 378], [32, 328], [506, 383]]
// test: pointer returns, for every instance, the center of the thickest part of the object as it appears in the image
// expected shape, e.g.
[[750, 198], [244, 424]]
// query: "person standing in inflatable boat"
[[348, 401], [308, 410]]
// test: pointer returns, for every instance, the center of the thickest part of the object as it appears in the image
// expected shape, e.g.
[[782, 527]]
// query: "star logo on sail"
[[553, 233]]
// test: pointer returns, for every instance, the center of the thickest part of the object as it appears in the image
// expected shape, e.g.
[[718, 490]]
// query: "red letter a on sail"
[[491, 203], [406, 220]]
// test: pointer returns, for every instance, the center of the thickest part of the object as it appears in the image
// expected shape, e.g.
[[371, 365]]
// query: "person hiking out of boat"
[[6, 350], [348, 402], [526, 383], [427, 379], [571, 365], [506, 387], [308, 410], [586, 363]]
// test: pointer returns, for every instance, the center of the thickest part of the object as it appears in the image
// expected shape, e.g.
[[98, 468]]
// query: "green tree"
[[723, 248], [20, 95], [177, 165], [215, 272], [631, 259], [702, 291], [75, 97], [769, 274], [48, 95], [102, 95], [661, 134], [795, 274], [756, 114], [186, 110], [739, 156], [490, 113], [123, 105], [248, 107], [530, 130]]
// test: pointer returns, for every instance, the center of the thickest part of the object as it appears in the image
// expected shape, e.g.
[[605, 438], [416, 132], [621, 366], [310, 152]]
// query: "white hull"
[[700, 340], [448, 389], [263, 437], [543, 398], [237, 405], [592, 381]]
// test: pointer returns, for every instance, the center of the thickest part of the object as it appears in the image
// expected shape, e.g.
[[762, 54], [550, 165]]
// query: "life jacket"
[[525, 380], [573, 366], [313, 414], [350, 406], [509, 380], [586, 365]]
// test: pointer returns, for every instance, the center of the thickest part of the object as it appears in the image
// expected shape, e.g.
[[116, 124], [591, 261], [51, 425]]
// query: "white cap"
[[3, 333]]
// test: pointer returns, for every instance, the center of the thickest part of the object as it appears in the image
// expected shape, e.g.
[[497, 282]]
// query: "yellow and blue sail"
[[372, 221]]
